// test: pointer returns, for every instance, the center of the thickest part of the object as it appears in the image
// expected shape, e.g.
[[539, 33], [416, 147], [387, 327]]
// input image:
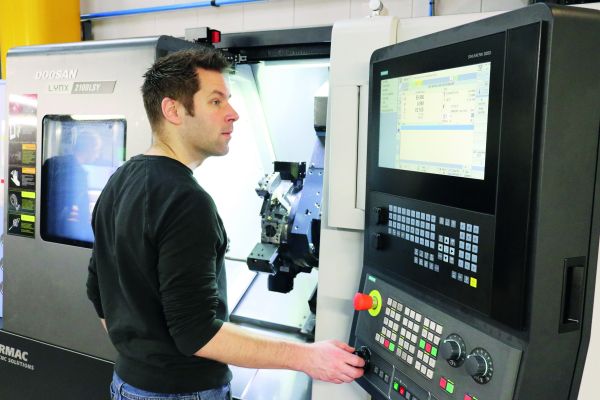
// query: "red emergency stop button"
[[363, 302]]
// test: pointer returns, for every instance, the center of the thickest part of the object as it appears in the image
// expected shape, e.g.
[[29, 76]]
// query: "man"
[[156, 276]]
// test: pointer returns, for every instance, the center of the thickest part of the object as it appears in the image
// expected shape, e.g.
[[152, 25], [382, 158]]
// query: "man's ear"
[[171, 110]]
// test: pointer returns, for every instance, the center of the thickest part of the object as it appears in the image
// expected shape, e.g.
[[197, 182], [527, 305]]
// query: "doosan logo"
[[14, 353], [56, 74]]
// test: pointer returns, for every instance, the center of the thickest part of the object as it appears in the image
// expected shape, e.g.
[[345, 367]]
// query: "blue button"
[[468, 247], [475, 239], [469, 237], [474, 258], [462, 235], [475, 248], [461, 263], [461, 244], [453, 274], [462, 226], [469, 228], [476, 229]]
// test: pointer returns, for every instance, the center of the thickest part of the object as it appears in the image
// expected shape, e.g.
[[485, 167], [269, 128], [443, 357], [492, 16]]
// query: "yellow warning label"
[[28, 171], [28, 218], [28, 195]]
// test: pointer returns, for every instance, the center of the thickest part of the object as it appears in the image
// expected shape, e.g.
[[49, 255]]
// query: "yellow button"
[[473, 282]]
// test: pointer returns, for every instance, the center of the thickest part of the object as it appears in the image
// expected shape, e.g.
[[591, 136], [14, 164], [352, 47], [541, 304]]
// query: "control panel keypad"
[[413, 337], [438, 241], [415, 226], [468, 255]]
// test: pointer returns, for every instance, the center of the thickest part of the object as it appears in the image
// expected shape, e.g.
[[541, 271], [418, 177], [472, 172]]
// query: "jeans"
[[120, 390]]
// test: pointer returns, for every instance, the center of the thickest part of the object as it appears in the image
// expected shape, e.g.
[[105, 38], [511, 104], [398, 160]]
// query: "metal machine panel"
[[341, 249], [528, 215], [45, 291], [2, 161]]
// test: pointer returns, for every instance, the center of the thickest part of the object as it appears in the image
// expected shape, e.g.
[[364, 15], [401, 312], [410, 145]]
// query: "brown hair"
[[175, 76]]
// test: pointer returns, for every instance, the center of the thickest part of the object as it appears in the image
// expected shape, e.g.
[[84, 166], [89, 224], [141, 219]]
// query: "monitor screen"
[[79, 155], [436, 122]]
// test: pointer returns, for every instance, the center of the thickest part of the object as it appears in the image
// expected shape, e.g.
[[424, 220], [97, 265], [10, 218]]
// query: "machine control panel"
[[420, 352], [446, 249]]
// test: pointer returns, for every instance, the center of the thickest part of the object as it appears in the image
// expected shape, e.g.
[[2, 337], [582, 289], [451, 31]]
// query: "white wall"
[[265, 15]]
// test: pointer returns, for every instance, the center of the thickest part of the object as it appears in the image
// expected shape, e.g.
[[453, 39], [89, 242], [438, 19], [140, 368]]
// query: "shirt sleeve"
[[188, 239], [93, 290]]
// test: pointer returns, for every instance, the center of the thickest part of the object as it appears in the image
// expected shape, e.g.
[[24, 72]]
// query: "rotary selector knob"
[[480, 366], [453, 350], [364, 353]]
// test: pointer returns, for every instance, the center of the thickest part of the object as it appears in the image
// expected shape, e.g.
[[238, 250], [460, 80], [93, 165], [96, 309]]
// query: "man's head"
[[187, 101], [175, 76]]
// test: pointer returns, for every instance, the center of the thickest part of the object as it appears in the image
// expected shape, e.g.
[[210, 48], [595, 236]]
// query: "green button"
[[434, 351], [396, 386], [392, 347], [450, 387], [422, 344]]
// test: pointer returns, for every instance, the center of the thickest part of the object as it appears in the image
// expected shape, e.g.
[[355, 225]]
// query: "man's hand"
[[333, 361]]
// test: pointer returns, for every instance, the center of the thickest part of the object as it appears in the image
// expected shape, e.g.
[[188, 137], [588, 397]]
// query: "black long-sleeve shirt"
[[157, 275]]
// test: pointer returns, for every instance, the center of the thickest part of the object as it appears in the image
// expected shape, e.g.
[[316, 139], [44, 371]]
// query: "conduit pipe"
[[172, 7]]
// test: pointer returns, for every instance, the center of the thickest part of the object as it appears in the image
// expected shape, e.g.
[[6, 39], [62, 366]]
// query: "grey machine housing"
[[538, 215]]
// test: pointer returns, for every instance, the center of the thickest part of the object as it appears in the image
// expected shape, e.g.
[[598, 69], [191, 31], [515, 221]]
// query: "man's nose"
[[232, 115]]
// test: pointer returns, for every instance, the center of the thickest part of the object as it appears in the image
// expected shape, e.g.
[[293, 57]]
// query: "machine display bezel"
[[471, 194]]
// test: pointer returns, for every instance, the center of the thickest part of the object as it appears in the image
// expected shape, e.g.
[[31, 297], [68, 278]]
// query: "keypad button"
[[461, 263], [476, 229], [461, 244], [469, 228], [453, 274], [453, 224], [462, 226], [468, 246], [474, 258], [462, 235], [469, 238], [475, 248], [442, 220]]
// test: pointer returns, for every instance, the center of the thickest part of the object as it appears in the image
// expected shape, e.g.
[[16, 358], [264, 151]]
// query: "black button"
[[381, 373], [386, 378], [375, 369]]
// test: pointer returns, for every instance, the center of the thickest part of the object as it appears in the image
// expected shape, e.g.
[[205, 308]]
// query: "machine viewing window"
[[436, 122], [79, 154]]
